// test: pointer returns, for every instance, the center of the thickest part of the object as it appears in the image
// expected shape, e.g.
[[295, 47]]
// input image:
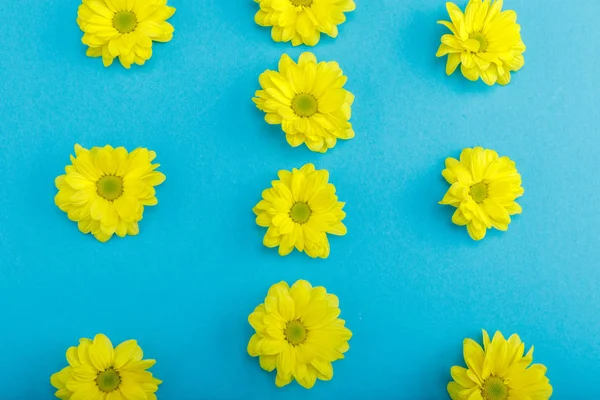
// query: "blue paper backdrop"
[[411, 284]]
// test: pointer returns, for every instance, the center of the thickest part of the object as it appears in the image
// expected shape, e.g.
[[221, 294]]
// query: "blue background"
[[411, 284]]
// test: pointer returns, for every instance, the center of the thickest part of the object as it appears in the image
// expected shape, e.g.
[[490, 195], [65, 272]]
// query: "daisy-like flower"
[[300, 210], [308, 99], [484, 189], [298, 332], [499, 371], [485, 40], [105, 189], [302, 21], [124, 28], [97, 371]]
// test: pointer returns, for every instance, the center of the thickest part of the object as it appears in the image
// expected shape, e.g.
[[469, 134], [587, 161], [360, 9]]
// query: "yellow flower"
[[308, 100], [300, 210], [485, 40], [499, 371], [484, 189], [302, 21], [299, 333], [96, 371], [124, 28], [105, 189]]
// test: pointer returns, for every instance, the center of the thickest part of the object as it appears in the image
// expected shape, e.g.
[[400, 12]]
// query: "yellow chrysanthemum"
[[299, 333], [484, 189], [499, 371], [105, 189], [308, 100], [96, 371], [124, 28], [300, 210], [302, 21], [485, 40]]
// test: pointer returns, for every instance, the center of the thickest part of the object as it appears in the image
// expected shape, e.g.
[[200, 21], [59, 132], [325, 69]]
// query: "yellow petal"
[[473, 355], [459, 374], [132, 390], [332, 100], [254, 344], [78, 181], [98, 208], [268, 363], [282, 380], [470, 73], [324, 369], [272, 347], [476, 231], [458, 218], [101, 353], [127, 353], [300, 292], [452, 63], [286, 360], [309, 378], [286, 306]]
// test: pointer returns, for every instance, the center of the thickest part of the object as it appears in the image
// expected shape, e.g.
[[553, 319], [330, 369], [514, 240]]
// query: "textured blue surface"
[[411, 284]]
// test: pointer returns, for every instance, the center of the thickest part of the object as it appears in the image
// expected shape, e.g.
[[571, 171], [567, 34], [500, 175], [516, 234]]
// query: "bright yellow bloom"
[[299, 333], [96, 371], [300, 210], [124, 28], [308, 100], [499, 371], [484, 189], [302, 21], [105, 189], [485, 40]]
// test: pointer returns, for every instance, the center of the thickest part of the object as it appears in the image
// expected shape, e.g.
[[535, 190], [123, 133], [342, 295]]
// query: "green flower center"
[[300, 213], [479, 192], [108, 380], [494, 389], [304, 105], [483, 43], [110, 187], [295, 332], [302, 3], [125, 21]]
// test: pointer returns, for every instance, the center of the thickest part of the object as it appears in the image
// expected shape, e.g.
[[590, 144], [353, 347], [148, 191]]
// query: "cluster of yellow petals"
[[302, 21], [298, 332], [97, 371], [300, 210], [124, 28], [484, 189], [105, 189], [499, 371], [485, 41], [308, 99]]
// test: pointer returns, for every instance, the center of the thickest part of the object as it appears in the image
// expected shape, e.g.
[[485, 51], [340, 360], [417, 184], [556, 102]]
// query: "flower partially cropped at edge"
[[302, 21], [499, 371], [300, 210], [105, 189], [308, 99], [484, 189], [298, 332], [97, 371], [485, 40], [124, 28]]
